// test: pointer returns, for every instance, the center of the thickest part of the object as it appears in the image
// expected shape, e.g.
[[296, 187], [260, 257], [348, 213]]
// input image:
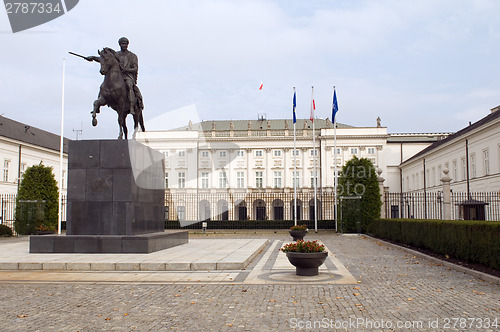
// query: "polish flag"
[[313, 108], [261, 85]]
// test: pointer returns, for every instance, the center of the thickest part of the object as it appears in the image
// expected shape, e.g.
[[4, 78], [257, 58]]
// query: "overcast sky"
[[421, 66]]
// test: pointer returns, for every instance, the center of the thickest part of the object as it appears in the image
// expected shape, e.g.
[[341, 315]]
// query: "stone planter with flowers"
[[306, 256], [298, 232]]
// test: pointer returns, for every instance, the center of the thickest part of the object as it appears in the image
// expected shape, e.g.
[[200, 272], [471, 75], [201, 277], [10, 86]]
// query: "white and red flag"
[[313, 106], [261, 85]]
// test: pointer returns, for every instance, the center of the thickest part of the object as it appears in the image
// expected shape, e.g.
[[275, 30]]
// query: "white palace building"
[[245, 169]]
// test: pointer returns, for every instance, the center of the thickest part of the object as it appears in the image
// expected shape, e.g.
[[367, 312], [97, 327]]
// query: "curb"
[[480, 275]]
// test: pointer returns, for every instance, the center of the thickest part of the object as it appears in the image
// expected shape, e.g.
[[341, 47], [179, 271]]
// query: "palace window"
[[23, 169], [258, 180], [473, 165], [240, 179], [204, 180], [464, 169], [222, 179], [314, 175], [277, 179], [6, 166], [182, 180], [486, 162], [296, 179]]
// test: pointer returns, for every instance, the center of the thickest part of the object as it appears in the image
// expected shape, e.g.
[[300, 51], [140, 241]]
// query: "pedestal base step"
[[99, 244]]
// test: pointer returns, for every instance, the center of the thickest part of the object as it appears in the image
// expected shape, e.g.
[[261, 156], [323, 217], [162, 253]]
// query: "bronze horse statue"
[[113, 93]]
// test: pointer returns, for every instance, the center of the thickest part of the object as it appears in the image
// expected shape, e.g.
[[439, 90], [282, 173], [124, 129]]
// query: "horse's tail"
[[141, 121]]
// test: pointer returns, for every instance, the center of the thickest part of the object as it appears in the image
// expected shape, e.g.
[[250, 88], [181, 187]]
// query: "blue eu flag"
[[294, 105], [335, 107]]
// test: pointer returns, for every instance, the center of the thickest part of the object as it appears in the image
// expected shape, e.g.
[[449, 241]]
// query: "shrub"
[[5, 230], [469, 240], [358, 178], [37, 201]]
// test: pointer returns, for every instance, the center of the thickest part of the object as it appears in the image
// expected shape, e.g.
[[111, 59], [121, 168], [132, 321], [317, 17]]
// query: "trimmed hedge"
[[469, 240], [5, 230], [250, 224]]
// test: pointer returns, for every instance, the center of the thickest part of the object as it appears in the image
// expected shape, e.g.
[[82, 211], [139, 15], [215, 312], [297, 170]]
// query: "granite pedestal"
[[116, 194]]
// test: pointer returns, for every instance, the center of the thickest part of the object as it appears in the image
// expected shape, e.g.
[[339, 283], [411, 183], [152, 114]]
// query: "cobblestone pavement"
[[395, 291]]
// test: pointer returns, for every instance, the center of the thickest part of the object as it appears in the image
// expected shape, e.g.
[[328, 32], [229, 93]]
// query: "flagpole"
[[61, 153], [294, 163], [261, 97], [335, 181], [313, 107], [335, 163]]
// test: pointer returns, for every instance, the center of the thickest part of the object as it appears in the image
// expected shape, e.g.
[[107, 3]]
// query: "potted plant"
[[298, 232], [45, 230], [306, 256]]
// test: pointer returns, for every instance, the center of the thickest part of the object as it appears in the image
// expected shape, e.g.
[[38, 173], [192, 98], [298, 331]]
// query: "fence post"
[[381, 187], [446, 195]]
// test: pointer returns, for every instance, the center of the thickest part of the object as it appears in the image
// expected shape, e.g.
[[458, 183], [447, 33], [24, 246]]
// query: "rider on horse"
[[129, 66]]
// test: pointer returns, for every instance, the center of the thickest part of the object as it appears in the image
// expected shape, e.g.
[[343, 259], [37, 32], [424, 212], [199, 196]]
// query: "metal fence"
[[275, 210], [414, 205], [483, 204], [8, 209], [247, 210], [430, 205]]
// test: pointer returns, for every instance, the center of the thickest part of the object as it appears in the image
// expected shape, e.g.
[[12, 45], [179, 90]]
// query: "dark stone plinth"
[[95, 244], [116, 198], [115, 187]]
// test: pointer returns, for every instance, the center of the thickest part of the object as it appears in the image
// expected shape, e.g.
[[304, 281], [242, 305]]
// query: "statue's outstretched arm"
[[93, 58]]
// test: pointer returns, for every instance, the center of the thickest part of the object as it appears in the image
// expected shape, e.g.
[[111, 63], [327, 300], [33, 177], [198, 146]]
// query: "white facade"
[[18, 153], [472, 156], [221, 159]]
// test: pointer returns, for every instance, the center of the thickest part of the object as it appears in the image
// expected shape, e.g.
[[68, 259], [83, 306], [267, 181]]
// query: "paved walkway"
[[366, 285], [198, 254]]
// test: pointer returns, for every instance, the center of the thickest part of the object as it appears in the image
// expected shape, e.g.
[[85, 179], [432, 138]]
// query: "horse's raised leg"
[[97, 105]]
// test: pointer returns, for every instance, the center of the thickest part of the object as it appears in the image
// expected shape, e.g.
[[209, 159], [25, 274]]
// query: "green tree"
[[37, 201], [358, 178]]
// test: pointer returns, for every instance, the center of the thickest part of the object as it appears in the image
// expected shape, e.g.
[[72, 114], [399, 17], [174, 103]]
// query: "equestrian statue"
[[119, 90]]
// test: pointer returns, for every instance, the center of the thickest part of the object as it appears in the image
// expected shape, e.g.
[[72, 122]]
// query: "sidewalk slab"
[[197, 255]]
